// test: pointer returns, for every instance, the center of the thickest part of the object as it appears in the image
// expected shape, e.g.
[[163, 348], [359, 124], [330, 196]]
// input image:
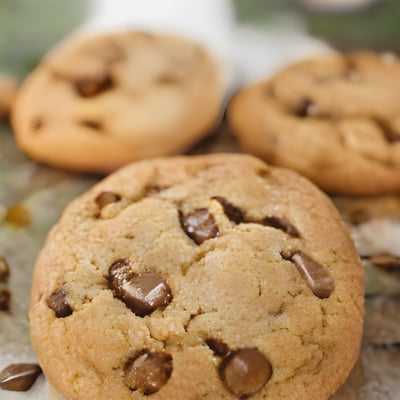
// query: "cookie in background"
[[334, 119], [8, 93], [127, 86]]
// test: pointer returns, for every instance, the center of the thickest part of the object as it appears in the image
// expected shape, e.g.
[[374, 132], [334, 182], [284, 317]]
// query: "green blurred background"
[[29, 27], [375, 27]]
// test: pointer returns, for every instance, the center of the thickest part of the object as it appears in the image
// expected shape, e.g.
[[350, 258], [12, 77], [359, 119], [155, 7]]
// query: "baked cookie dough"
[[8, 92], [98, 102], [208, 277], [335, 120]]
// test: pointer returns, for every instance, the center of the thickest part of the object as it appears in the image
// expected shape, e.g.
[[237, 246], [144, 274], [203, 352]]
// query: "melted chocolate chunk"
[[89, 87], [318, 278], [105, 198], [218, 347], [141, 293], [245, 372], [283, 224], [94, 125], [234, 213], [58, 303], [19, 377], [37, 124], [4, 269], [5, 297], [199, 225], [148, 372], [306, 108], [390, 135]]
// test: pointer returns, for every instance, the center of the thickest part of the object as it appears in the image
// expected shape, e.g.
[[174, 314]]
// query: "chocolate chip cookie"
[[334, 120], [204, 277], [8, 92], [98, 102]]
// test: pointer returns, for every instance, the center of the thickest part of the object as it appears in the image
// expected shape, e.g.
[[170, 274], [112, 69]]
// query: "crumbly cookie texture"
[[8, 92], [208, 277], [98, 102], [334, 119]]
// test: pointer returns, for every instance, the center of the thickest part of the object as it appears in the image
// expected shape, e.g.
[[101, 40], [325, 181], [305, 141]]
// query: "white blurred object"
[[377, 236], [261, 52], [210, 22]]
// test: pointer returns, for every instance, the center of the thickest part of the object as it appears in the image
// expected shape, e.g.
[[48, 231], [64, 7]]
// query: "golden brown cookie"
[[98, 102], [210, 277], [8, 92], [335, 120]]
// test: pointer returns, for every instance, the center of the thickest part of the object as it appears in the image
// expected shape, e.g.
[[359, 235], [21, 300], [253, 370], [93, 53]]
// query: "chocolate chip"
[[283, 224], [318, 278], [19, 377], [390, 135], [37, 124], [5, 297], [142, 293], [218, 347], [105, 198], [148, 372], [94, 125], [168, 79], [387, 262], [306, 108], [199, 225], [4, 269], [245, 372], [234, 213], [89, 87], [58, 303]]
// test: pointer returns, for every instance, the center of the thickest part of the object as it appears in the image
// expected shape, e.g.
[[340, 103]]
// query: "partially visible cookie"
[[8, 92], [98, 102], [209, 277], [334, 119]]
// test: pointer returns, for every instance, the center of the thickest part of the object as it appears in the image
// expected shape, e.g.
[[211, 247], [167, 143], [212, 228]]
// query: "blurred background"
[[28, 28], [346, 24]]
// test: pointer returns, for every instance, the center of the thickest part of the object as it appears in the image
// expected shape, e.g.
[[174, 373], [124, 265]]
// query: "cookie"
[[203, 277], [98, 102], [8, 92], [334, 119]]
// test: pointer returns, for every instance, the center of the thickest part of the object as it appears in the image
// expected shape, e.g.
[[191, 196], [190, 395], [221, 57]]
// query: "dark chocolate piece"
[[218, 347], [4, 269], [105, 198], [5, 297], [58, 303], [148, 372], [199, 225], [318, 278], [283, 224], [19, 377], [89, 87], [142, 293], [246, 371], [235, 214]]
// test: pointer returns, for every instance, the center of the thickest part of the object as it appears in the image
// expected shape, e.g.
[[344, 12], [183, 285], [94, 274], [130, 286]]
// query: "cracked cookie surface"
[[98, 102], [207, 277], [334, 119]]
